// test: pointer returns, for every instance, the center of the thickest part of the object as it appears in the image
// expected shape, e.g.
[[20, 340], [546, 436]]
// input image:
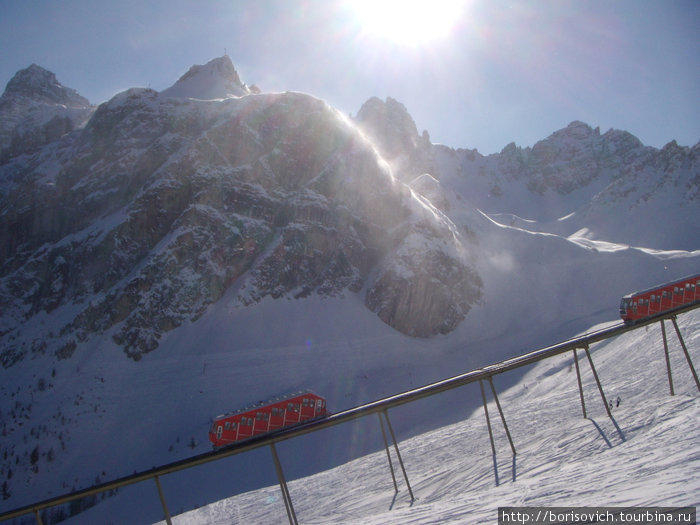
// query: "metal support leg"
[[398, 454], [488, 424], [283, 486], [503, 418], [38, 518], [685, 351], [600, 388], [388, 455], [168, 520], [668, 359], [580, 385]]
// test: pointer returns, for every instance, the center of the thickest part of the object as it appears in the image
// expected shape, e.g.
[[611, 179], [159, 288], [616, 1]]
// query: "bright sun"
[[407, 22]]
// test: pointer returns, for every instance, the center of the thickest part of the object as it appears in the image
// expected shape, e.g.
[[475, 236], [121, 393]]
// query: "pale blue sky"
[[507, 71]]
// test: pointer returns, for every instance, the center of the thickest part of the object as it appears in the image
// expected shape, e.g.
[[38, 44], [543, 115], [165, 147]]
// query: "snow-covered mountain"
[[214, 80], [581, 183], [160, 205], [239, 245]]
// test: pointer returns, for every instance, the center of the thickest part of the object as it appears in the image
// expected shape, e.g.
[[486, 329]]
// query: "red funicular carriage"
[[660, 299], [266, 417]]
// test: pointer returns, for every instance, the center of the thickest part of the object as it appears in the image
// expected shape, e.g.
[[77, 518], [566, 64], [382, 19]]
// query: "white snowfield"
[[650, 456]]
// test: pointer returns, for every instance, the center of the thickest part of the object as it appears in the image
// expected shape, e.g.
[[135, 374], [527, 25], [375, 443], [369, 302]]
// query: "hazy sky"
[[493, 72]]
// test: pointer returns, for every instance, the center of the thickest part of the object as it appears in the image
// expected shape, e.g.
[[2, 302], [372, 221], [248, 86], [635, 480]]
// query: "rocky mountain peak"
[[213, 80], [40, 85], [393, 132], [388, 123], [36, 109]]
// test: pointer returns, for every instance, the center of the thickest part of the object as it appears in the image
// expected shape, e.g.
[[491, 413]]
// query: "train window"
[[233, 426], [227, 426]]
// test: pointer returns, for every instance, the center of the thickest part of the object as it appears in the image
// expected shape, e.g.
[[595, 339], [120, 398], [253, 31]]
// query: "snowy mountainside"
[[648, 457], [238, 248], [160, 204], [579, 182]]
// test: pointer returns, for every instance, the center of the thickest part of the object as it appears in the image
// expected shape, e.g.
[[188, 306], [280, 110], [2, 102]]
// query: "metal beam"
[[488, 425], [388, 455], [283, 486], [597, 381], [503, 418], [685, 351], [668, 359], [398, 454], [168, 520], [580, 385]]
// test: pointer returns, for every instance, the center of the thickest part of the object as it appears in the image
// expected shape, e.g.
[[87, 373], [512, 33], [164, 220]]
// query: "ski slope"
[[651, 456]]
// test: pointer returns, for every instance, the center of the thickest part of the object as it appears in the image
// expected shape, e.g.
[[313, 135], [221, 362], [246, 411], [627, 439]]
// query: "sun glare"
[[407, 22]]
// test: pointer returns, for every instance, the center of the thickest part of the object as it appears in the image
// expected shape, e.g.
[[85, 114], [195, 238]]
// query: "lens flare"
[[407, 22]]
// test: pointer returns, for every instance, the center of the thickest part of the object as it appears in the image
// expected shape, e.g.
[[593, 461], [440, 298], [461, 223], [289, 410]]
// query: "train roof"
[[271, 401], [664, 285]]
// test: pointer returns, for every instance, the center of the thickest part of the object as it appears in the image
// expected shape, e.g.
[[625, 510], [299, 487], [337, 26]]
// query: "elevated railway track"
[[381, 407]]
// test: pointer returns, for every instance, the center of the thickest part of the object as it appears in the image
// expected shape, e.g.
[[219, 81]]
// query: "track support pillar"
[[685, 351], [283, 486], [503, 418], [597, 381], [668, 359], [398, 454], [580, 385], [168, 519], [388, 455]]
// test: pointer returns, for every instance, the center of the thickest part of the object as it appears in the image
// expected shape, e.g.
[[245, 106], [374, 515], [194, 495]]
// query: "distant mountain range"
[[294, 246]]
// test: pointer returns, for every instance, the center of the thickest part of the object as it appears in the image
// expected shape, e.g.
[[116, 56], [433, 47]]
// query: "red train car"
[[660, 299], [266, 417]]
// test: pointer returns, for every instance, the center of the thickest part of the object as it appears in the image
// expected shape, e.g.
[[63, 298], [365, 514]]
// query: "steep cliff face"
[[159, 205]]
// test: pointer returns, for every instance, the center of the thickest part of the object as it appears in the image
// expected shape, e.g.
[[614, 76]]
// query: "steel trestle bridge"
[[381, 407]]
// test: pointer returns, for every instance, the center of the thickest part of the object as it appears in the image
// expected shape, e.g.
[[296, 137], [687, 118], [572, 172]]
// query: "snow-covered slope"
[[649, 456]]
